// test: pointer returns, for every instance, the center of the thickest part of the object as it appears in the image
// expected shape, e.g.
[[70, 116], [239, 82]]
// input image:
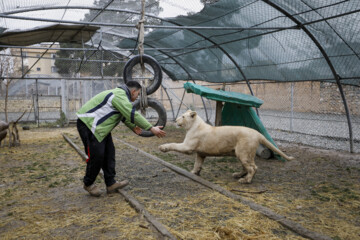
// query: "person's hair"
[[133, 84]]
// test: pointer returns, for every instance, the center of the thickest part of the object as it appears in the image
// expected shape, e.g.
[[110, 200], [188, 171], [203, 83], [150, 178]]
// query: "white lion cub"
[[207, 140]]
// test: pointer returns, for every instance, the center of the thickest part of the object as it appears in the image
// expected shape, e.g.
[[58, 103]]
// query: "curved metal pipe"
[[331, 66], [149, 15], [171, 105]]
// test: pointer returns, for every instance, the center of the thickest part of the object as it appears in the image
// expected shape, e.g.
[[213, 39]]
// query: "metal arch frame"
[[149, 15], [336, 76], [326, 21], [331, 66], [107, 9]]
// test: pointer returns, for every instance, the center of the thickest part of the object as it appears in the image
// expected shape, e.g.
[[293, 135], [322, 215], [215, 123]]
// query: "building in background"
[[32, 63]]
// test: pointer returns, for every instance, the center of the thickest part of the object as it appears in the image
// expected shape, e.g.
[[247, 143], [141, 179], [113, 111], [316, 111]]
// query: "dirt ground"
[[41, 193], [320, 189]]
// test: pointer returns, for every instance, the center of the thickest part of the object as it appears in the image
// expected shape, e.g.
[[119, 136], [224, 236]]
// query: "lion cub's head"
[[187, 119]]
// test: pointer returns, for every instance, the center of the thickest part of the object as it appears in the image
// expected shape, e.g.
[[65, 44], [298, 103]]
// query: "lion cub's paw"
[[163, 148], [243, 181], [196, 172]]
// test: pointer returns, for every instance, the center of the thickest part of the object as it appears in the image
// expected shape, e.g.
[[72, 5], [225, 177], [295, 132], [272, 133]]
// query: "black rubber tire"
[[159, 108], [127, 74]]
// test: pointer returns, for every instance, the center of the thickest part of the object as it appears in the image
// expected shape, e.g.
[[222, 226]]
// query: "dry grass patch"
[[41, 195]]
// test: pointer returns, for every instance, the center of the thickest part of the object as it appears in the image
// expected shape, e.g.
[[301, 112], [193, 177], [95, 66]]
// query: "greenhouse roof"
[[221, 41], [276, 40]]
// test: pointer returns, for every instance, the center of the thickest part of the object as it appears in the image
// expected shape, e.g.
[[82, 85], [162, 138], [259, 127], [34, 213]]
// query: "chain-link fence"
[[309, 113]]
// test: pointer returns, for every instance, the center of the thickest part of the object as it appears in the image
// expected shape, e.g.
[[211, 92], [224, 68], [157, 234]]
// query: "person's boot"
[[116, 186], [93, 190]]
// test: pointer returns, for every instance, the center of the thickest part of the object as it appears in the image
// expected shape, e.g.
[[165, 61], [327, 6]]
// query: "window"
[[53, 55], [54, 70], [38, 69]]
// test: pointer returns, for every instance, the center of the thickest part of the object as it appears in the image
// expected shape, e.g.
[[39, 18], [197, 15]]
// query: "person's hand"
[[137, 130], [158, 132]]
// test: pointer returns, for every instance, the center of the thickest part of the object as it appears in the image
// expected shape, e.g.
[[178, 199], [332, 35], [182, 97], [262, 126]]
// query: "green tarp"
[[224, 96]]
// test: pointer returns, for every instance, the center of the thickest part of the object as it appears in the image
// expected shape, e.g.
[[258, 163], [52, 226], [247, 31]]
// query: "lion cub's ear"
[[192, 114]]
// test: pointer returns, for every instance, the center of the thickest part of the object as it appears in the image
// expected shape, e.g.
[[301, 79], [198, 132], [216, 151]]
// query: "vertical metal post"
[[22, 72], [37, 104], [26, 88], [63, 97], [182, 99], [170, 100], [33, 102], [327, 58], [292, 107]]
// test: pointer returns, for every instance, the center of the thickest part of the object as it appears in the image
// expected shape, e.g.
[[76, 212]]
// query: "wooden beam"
[[219, 107]]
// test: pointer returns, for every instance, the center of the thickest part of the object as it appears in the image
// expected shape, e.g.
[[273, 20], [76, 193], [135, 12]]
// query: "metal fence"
[[309, 113]]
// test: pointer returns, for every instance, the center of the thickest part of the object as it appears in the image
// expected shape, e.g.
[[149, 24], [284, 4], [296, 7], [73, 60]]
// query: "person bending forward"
[[96, 119]]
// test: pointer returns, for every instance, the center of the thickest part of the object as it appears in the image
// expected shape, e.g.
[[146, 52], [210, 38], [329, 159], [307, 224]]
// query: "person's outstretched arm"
[[158, 132]]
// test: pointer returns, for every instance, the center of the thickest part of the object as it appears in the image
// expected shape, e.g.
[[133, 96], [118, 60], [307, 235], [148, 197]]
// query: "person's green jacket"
[[103, 112]]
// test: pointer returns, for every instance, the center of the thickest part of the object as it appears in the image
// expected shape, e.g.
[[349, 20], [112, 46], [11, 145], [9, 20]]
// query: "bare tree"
[[6, 70]]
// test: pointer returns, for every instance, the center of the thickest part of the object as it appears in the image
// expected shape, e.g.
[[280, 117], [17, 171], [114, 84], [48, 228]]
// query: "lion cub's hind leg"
[[199, 160], [251, 170], [247, 159]]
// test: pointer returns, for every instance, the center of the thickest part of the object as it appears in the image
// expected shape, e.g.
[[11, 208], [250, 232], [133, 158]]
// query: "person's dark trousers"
[[101, 155]]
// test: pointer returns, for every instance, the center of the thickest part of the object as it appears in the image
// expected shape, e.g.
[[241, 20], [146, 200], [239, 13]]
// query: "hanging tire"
[[156, 82], [159, 108]]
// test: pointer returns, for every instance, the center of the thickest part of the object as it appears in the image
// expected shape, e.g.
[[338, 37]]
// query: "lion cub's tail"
[[268, 144]]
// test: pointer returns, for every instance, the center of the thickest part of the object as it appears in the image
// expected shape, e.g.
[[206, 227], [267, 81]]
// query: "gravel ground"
[[320, 189]]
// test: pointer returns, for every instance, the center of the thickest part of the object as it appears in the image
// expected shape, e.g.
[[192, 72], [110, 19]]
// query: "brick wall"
[[313, 97], [19, 104], [307, 97]]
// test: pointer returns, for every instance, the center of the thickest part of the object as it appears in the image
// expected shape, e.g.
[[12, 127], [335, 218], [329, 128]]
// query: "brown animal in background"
[[14, 138], [207, 140], [3, 130]]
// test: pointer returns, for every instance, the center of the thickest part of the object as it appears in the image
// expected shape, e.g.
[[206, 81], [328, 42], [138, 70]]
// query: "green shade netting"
[[328, 33]]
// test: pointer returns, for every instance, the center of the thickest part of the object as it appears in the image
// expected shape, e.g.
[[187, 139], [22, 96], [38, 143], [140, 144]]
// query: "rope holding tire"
[[154, 85], [159, 108], [144, 101]]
